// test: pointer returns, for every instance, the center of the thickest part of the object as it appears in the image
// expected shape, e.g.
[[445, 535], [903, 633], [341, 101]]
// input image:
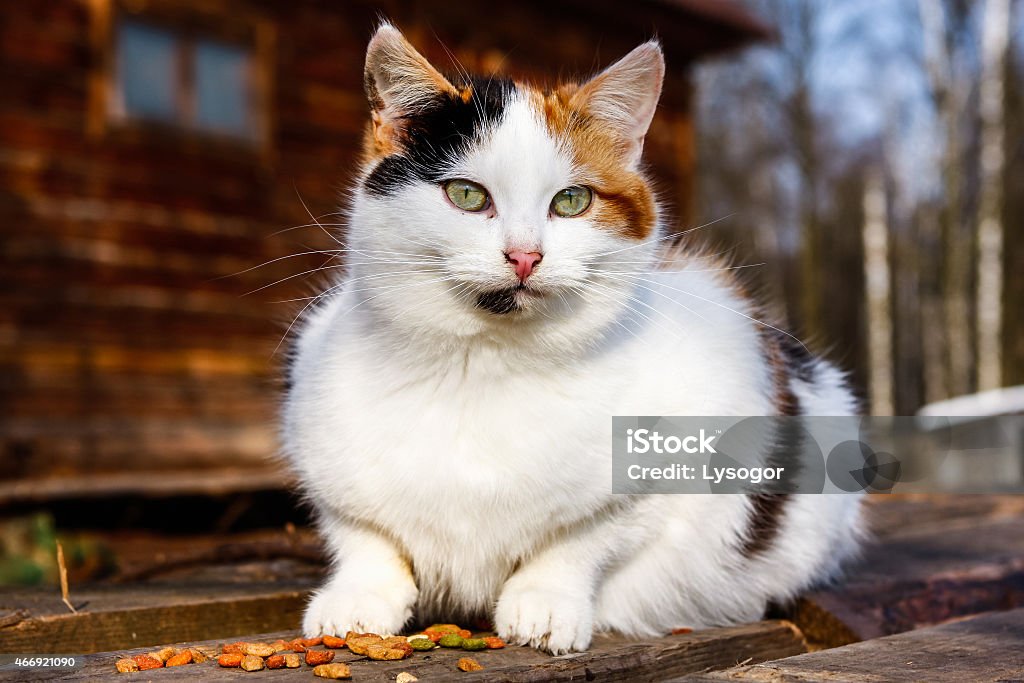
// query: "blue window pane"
[[222, 80], [147, 71]]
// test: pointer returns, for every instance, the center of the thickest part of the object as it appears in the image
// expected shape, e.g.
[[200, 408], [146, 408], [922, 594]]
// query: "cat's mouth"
[[507, 300]]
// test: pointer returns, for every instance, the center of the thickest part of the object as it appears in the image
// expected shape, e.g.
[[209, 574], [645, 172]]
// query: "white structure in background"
[[994, 421]]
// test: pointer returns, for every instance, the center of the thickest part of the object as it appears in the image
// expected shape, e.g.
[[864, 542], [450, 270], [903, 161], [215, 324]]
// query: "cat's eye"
[[572, 201], [467, 195]]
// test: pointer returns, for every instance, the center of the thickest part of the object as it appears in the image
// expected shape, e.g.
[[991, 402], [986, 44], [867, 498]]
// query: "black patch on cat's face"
[[441, 132], [499, 301]]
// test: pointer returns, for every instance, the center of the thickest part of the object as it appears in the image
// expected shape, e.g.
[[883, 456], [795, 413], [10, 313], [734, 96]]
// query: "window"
[[195, 83]]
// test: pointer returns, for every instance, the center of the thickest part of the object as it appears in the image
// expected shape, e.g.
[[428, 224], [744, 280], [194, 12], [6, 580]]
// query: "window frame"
[[189, 23]]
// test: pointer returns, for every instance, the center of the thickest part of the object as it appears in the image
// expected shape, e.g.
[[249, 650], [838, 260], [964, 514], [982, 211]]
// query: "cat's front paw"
[[543, 617], [338, 608]]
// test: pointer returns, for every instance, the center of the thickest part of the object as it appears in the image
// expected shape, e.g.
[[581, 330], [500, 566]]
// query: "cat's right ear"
[[399, 82]]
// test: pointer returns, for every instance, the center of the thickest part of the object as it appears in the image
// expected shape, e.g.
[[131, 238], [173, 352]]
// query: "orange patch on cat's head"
[[623, 199]]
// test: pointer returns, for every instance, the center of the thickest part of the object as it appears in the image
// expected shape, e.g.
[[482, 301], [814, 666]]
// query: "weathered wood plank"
[[985, 648], [116, 616], [921, 573], [210, 482], [902, 513], [610, 659]]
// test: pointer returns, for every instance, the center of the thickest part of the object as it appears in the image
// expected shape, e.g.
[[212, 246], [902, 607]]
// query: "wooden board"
[[119, 616], [208, 482], [985, 648], [933, 560], [610, 659]]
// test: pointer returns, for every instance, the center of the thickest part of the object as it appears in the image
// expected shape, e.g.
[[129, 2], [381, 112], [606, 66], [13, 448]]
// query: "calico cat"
[[451, 399]]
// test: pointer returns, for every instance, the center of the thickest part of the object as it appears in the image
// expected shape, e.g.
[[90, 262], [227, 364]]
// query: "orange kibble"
[[147, 662], [360, 643], [316, 657], [230, 659], [333, 642], [296, 645], [233, 648], [275, 662], [259, 649], [183, 657], [252, 663], [469, 664], [465, 633], [681, 631], [332, 671], [494, 643], [126, 665], [311, 642]]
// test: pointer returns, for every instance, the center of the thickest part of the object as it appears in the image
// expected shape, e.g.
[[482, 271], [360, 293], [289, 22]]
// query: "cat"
[[451, 397]]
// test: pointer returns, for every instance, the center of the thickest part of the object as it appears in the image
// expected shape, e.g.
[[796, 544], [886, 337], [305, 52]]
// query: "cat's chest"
[[483, 444]]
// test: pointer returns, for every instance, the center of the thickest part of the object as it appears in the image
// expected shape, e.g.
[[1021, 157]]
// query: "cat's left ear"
[[399, 81], [624, 97]]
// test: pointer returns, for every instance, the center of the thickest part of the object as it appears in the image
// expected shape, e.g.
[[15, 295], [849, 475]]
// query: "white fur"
[[459, 462]]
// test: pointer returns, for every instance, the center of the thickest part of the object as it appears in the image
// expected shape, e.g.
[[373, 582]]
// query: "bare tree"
[[995, 41], [879, 296], [944, 26]]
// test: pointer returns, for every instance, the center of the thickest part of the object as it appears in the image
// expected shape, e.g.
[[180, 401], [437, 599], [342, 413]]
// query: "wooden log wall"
[[123, 346]]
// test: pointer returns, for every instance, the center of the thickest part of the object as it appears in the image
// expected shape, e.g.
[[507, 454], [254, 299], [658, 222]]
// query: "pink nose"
[[524, 262]]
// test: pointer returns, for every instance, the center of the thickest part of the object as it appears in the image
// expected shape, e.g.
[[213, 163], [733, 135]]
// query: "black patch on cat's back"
[[799, 360], [787, 358], [438, 134]]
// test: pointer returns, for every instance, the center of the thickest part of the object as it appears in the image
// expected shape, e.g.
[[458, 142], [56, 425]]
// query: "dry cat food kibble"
[[126, 665], [395, 647], [474, 644], [333, 642], [469, 664], [146, 662], [259, 649], [359, 642], [252, 663], [230, 659], [422, 643], [335, 671], [316, 657], [164, 654], [183, 657], [451, 640], [281, 654]]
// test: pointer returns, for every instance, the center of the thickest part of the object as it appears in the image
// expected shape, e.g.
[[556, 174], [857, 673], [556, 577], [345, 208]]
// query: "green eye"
[[467, 195], [572, 201]]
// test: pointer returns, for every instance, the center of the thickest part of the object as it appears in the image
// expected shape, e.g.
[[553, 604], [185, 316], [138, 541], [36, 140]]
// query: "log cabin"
[[151, 153]]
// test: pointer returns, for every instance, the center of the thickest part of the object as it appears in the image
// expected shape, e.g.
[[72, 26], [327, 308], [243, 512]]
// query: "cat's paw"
[[338, 608], [547, 618]]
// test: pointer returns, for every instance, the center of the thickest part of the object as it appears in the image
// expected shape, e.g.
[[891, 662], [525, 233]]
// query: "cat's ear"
[[624, 97], [399, 81]]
